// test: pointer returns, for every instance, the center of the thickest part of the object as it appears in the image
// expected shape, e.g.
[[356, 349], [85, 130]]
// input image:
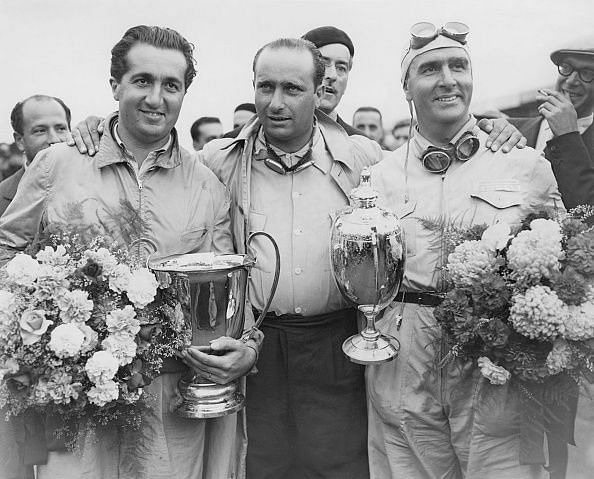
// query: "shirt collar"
[[260, 152], [113, 150], [585, 122]]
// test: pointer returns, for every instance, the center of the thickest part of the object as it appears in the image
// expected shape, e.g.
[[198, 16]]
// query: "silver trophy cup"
[[368, 256], [211, 290]]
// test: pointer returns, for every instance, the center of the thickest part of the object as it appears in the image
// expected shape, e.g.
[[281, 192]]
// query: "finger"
[[486, 125], [224, 343], [69, 140], [100, 127], [522, 143], [495, 134], [78, 141], [513, 140]]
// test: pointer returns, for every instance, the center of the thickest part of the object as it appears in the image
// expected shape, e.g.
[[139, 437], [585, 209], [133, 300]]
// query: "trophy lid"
[[364, 196]]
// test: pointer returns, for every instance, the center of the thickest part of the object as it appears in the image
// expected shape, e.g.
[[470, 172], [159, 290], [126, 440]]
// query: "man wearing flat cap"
[[564, 128], [429, 421]]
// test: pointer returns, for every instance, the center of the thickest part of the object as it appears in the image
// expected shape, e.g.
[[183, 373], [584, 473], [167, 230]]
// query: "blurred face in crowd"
[[577, 90], [400, 135], [150, 94], [338, 65], [440, 85], [44, 123], [285, 96], [206, 133], [370, 123], [241, 117]]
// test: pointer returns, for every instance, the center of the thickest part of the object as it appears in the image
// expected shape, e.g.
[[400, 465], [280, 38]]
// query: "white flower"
[[560, 357], [33, 325], [495, 374], [102, 393], [101, 367], [469, 261], [66, 340], [142, 288], [538, 313], [496, 236], [119, 278], [75, 306], [22, 270], [579, 324], [91, 338], [6, 300], [51, 256], [121, 348], [123, 322], [10, 366]]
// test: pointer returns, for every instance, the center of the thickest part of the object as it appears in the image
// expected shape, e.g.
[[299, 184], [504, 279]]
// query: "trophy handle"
[[376, 266], [149, 242], [274, 281]]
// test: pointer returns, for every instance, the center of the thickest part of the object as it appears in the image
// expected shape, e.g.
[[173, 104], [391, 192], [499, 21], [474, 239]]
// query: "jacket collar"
[[334, 136], [112, 150]]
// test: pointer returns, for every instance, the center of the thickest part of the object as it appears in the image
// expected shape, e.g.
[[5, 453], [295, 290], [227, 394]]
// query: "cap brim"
[[557, 55]]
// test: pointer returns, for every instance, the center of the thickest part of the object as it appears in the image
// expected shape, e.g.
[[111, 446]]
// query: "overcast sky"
[[61, 47]]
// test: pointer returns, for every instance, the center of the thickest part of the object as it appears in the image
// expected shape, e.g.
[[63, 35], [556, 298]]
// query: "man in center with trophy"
[[429, 420], [288, 169]]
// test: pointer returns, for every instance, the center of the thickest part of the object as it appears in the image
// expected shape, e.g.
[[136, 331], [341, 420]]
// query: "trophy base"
[[204, 399], [364, 351]]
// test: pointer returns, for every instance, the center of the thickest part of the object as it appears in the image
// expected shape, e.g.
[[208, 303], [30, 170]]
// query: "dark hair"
[[369, 109], [203, 120], [16, 116], [297, 44], [245, 107], [165, 38]]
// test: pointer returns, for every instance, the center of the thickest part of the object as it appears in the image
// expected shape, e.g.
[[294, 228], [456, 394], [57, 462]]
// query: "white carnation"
[[142, 287], [121, 348], [119, 278], [103, 393], [22, 270], [123, 322], [75, 306], [496, 236], [66, 340], [101, 367]]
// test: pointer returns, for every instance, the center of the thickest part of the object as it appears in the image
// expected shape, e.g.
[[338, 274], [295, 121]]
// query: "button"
[[298, 310], [298, 271], [298, 232]]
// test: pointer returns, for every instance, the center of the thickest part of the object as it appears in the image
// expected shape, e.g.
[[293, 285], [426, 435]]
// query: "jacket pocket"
[[500, 195]]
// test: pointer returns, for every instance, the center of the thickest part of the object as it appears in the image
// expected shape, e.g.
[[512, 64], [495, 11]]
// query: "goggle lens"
[[466, 148], [423, 33], [436, 161]]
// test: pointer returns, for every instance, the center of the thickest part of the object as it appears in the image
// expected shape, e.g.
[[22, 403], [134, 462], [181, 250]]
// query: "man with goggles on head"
[[427, 421], [564, 128]]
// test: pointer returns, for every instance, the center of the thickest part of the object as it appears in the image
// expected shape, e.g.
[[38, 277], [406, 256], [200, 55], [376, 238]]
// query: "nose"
[[153, 97], [277, 101], [446, 76], [54, 137], [330, 72], [573, 77]]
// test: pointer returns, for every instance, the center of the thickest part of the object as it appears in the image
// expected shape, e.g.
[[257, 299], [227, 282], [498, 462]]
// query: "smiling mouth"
[[278, 119], [572, 94], [153, 114], [447, 99], [329, 90]]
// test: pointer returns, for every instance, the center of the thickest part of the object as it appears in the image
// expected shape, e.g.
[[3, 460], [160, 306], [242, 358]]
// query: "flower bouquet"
[[83, 328], [522, 305]]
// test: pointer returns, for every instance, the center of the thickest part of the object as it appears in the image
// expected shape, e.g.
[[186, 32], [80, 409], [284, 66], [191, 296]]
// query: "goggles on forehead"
[[423, 33], [438, 160]]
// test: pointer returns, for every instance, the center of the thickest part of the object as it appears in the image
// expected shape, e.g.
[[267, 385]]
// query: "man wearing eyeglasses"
[[427, 420], [564, 128]]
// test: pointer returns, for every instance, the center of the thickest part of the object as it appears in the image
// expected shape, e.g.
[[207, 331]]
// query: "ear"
[[115, 88], [407, 93], [319, 94], [18, 139]]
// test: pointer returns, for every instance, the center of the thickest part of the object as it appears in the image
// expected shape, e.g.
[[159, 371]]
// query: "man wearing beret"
[[564, 128]]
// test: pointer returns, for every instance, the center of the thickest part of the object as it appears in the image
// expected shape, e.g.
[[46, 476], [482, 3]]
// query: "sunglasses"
[[423, 33], [585, 74]]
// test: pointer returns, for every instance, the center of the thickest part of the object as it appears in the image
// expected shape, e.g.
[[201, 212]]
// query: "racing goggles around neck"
[[276, 163], [423, 33], [438, 160]]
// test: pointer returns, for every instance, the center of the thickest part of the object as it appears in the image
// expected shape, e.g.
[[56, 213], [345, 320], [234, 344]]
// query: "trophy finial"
[[364, 196]]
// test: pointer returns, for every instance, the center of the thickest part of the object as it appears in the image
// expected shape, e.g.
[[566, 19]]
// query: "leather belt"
[[424, 299]]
